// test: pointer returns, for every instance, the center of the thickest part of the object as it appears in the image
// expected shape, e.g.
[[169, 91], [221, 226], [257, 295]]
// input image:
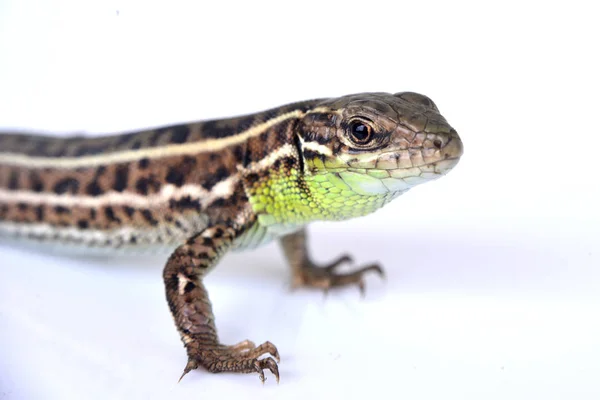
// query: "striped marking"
[[44, 230], [222, 189], [72, 239], [209, 145], [316, 147], [282, 152]]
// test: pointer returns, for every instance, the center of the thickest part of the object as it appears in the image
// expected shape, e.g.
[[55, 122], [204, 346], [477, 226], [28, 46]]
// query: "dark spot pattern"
[[93, 189], [220, 202], [185, 203], [13, 181], [147, 185], [121, 178], [65, 185], [61, 210], [175, 177], [252, 178], [220, 174], [239, 153], [110, 214], [189, 286], [141, 186], [147, 214], [218, 129], [143, 163], [36, 183], [311, 155], [39, 213], [180, 133]]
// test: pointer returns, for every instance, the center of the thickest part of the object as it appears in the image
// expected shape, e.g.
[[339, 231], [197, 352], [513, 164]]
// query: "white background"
[[493, 283]]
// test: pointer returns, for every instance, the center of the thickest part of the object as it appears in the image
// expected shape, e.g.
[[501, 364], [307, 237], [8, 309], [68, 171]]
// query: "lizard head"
[[361, 151]]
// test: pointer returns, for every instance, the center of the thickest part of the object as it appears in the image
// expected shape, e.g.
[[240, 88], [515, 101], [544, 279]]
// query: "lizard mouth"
[[396, 172], [406, 160], [410, 159]]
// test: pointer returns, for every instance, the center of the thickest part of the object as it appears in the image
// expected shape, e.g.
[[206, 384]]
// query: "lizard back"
[[145, 189]]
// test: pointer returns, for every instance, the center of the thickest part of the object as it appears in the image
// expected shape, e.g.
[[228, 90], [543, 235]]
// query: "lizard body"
[[201, 189]]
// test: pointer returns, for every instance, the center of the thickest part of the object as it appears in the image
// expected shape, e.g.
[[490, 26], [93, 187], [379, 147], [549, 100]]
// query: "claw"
[[379, 270], [191, 364], [260, 365], [361, 288], [258, 368], [346, 258], [273, 367]]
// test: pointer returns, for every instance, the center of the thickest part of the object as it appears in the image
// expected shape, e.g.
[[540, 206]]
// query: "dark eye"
[[360, 132]]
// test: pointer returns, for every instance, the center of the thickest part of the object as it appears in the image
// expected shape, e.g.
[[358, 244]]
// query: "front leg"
[[192, 311], [306, 273]]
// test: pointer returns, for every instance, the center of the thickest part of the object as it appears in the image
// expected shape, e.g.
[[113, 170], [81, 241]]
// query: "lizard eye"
[[360, 132]]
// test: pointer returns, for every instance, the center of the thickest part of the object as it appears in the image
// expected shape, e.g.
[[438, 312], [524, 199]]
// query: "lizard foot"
[[325, 277], [241, 357]]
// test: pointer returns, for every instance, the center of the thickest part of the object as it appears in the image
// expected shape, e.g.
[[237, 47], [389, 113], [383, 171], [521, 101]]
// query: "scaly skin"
[[205, 188]]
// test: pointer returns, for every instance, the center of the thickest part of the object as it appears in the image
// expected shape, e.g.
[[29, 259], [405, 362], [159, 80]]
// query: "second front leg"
[[192, 310], [307, 273]]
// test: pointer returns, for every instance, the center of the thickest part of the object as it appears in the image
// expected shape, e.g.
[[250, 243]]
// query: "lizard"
[[198, 190]]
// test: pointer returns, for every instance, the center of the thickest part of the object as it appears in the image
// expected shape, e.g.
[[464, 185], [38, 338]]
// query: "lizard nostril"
[[437, 143]]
